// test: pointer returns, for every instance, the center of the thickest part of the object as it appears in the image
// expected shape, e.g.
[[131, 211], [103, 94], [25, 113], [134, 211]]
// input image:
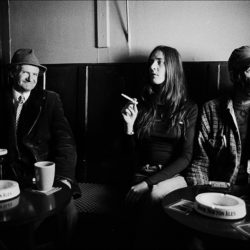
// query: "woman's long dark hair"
[[171, 94]]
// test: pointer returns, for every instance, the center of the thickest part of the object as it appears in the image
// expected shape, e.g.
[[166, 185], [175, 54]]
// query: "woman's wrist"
[[129, 130], [149, 184]]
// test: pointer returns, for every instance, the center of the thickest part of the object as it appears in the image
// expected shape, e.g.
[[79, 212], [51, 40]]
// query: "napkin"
[[47, 192]]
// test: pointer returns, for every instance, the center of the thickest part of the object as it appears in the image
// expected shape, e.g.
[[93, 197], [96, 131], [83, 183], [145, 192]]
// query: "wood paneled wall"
[[91, 94]]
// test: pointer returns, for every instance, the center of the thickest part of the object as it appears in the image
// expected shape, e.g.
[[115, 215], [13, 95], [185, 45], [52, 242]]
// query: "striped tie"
[[20, 103]]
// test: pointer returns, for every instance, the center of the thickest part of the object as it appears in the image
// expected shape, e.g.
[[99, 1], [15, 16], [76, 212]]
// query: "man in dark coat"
[[40, 131], [33, 128]]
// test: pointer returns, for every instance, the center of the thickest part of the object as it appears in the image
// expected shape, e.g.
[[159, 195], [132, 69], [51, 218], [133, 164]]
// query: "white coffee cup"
[[45, 174]]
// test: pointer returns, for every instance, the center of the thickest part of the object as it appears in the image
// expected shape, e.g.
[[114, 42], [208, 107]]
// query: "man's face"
[[25, 79], [246, 81]]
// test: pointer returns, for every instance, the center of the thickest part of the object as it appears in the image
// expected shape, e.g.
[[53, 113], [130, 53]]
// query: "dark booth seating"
[[91, 94]]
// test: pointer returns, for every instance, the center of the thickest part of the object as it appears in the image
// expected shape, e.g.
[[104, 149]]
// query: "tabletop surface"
[[31, 206], [202, 223]]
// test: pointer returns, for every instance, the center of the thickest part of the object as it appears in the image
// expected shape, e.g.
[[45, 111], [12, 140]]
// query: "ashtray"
[[3, 151], [9, 204], [8, 189], [220, 205]]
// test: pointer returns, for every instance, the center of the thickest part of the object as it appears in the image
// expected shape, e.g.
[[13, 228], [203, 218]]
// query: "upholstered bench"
[[101, 217], [99, 199]]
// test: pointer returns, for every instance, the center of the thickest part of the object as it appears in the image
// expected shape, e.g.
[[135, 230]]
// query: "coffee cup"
[[45, 174]]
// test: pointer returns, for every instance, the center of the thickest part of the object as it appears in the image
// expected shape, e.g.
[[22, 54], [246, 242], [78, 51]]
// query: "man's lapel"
[[30, 112]]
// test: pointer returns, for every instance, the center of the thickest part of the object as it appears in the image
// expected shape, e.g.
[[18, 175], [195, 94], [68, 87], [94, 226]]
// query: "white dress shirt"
[[17, 94]]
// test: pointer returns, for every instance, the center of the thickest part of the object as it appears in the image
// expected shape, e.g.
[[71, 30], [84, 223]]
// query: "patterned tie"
[[20, 103]]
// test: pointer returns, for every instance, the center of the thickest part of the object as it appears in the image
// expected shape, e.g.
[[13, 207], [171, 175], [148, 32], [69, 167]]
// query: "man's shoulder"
[[51, 93], [217, 103]]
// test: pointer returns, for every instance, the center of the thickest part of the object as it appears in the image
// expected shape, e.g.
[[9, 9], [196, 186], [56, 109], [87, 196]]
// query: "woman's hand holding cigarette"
[[129, 113], [133, 100]]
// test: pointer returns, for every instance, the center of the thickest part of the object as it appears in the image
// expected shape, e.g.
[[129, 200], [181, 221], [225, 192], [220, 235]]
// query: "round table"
[[31, 206], [202, 223], [23, 218]]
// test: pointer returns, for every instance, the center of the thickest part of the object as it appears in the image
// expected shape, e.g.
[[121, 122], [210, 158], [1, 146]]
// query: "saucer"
[[47, 192], [219, 205], [8, 189]]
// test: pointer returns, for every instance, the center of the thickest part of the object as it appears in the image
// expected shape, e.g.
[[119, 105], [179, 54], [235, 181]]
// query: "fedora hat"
[[26, 56]]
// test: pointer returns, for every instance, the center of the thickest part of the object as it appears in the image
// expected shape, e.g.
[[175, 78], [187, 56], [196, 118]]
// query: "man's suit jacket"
[[43, 133]]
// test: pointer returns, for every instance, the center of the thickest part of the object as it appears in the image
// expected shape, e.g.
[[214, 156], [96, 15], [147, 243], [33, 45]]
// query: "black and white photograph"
[[124, 124]]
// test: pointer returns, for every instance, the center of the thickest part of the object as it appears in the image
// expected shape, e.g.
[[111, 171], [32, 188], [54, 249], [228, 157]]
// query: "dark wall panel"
[[104, 126], [91, 94], [63, 79], [68, 80]]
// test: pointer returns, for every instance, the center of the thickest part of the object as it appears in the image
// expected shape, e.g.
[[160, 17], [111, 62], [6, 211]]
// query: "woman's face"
[[157, 68]]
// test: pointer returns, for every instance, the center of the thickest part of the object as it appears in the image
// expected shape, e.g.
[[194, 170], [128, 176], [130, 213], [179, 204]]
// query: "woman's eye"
[[160, 62]]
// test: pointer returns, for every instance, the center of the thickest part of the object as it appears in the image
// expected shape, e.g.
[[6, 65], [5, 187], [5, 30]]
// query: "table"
[[28, 210], [31, 206], [202, 223]]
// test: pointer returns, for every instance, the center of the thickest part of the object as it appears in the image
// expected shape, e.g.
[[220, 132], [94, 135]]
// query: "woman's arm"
[[129, 113]]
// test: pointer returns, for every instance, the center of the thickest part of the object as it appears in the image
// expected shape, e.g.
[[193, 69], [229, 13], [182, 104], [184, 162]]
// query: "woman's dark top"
[[172, 148]]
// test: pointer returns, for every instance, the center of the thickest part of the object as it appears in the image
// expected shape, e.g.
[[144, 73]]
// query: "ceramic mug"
[[45, 174]]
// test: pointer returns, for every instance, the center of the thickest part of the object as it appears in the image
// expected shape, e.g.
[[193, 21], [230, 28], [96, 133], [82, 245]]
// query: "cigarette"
[[129, 98]]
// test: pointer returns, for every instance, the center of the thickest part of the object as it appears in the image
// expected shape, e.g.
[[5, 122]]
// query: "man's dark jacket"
[[43, 134]]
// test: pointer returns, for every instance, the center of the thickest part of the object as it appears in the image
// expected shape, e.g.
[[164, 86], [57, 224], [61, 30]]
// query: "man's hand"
[[66, 182]]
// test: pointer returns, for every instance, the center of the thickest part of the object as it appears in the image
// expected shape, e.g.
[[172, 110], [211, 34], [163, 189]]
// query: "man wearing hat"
[[222, 146], [33, 126]]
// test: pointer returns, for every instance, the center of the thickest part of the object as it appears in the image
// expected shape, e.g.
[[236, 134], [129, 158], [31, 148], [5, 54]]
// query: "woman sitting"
[[160, 128]]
